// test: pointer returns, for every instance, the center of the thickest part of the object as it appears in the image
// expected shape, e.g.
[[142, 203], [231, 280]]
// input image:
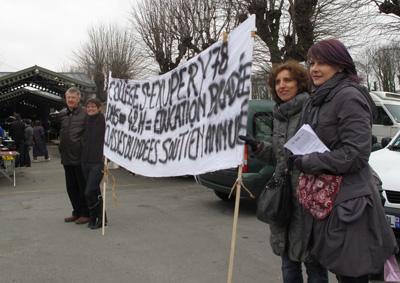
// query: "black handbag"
[[274, 205]]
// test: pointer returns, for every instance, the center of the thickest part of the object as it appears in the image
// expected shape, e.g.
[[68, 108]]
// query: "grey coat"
[[286, 120], [71, 132], [29, 135], [355, 239]]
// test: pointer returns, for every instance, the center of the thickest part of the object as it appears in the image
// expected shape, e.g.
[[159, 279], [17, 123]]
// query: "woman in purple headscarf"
[[355, 239]]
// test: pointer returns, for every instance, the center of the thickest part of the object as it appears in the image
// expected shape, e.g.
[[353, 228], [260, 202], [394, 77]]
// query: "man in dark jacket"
[[1, 132], [17, 133], [72, 121], [28, 142]]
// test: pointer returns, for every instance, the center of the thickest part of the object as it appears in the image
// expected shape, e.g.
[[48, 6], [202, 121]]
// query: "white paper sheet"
[[305, 141]]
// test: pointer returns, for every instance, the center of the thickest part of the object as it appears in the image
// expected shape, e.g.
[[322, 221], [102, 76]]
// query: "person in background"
[[289, 84], [28, 142], [39, 141], [355, 239], [375, 144], [93, 161], [72, 120], [1, 133], [17, 133], [385, 141]]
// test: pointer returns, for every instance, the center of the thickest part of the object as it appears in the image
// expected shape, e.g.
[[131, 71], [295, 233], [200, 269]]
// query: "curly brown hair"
[[298, 72]]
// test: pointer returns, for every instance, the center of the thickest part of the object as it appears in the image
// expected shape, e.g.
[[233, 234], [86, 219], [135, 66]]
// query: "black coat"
[[93, 139], [17, 131], [39, 138]]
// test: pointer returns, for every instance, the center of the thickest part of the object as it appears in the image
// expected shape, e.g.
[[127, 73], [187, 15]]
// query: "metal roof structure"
[[44, 79], [38, 89]]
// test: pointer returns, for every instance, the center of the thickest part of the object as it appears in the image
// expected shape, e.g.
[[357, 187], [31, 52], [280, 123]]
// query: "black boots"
[[96, 216], [92, 216]]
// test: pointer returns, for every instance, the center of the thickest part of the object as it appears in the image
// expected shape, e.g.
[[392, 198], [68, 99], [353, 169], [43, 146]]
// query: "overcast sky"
[[45, 32]]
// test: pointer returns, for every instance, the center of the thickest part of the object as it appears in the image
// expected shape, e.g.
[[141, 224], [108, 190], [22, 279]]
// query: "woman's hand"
[[254, 145], [295, 161]]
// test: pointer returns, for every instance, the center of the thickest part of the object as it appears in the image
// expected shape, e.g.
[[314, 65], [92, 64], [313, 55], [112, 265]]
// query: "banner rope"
[[240, 181]]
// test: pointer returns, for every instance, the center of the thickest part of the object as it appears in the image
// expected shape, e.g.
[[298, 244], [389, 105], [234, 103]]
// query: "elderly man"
[[72, 121]]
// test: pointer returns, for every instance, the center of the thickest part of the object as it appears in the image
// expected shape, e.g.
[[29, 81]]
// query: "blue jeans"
[[292, 271]]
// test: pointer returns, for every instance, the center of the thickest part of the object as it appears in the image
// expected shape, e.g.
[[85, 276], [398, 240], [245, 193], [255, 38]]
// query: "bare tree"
[[154, 25], [365, 67], [300, 34], [268, 22], [109, 48], [290, 27], [177, 30], [389, 23], [342, 19], [386, 65], [388, 6]]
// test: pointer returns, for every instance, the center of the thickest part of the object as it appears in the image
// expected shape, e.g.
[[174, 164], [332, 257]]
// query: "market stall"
[[7, 164]]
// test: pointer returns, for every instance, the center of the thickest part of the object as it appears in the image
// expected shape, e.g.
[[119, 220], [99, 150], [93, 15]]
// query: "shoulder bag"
[[274, 205], [317, 193]]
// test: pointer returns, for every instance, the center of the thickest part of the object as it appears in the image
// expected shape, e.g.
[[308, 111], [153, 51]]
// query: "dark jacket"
[[17, 131], [93, 139], [286, 121], [72, 129], [39, 138], [355, 239], [29, 135]]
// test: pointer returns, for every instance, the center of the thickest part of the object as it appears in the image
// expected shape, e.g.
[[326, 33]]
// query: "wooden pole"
[[105, 179], [235, 221], [14, 172]]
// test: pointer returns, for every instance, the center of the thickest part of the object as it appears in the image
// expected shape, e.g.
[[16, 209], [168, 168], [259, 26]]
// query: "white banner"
[[184, 122]]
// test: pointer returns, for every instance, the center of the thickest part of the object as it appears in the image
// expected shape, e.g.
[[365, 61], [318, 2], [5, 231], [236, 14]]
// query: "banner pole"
[[235, 221], [105, 179]]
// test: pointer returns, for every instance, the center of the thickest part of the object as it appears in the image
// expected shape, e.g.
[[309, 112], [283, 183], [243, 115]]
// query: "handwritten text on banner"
[[184, 122]]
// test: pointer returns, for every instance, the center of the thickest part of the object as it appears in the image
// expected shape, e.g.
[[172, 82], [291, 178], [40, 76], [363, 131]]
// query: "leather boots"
[[96, 215]]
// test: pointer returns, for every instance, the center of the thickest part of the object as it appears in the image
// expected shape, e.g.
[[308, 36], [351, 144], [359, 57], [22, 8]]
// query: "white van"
[[388, 121], [386, 162]]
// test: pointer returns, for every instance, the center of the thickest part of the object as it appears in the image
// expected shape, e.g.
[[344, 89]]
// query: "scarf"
[[321, 93], [285, 110]]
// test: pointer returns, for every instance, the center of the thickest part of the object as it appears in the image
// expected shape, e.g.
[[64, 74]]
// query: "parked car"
[[386, 162], [387, 122], [256, 173]]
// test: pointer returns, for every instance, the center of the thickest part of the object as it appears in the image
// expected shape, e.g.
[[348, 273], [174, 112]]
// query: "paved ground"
[[164, 230]]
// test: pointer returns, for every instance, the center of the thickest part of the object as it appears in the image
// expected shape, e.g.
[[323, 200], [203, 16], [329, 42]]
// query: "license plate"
[[394, 221]]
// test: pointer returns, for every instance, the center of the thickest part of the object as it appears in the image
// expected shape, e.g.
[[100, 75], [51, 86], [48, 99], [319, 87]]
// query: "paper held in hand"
[[305, 141]]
